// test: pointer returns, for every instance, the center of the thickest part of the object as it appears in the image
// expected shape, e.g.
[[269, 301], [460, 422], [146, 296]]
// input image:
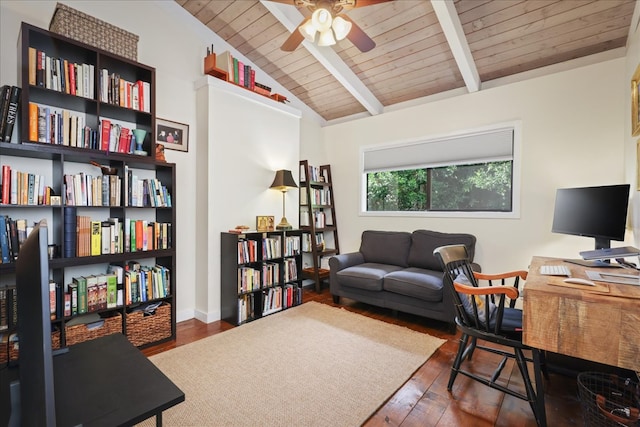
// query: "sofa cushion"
[[367, 276], [423, 243], [386, 247], [415, 282]]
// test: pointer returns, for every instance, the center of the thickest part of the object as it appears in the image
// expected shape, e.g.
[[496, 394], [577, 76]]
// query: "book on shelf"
[[5, 96], [11, 115]]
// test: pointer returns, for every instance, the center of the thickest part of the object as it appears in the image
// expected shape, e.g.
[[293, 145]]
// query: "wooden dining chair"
[[488, 313]]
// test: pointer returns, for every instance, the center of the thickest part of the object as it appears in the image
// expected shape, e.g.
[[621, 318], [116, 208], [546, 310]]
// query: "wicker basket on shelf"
[[78, 333], [144, 328], [11, 349]]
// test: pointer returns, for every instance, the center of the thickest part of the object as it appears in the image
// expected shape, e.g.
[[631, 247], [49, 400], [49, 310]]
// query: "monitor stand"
[[592, 264]]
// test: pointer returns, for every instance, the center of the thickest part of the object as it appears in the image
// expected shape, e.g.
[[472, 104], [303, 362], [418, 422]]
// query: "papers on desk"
[[622, 279]]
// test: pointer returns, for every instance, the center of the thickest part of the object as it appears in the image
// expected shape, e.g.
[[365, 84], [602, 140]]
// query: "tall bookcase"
[[317, 221], [259, 274], [142, 192]]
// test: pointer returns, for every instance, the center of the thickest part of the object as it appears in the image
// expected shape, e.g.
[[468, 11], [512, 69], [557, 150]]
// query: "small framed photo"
[[265, 223], [172, 135]]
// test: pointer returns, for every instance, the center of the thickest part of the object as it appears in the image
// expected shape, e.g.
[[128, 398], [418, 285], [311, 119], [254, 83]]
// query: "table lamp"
[[283, 181]]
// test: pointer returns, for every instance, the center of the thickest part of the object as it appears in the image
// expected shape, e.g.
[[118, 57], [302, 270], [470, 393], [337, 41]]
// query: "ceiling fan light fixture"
[[326, 38], [308, 30], [321, 19], [341, 27]]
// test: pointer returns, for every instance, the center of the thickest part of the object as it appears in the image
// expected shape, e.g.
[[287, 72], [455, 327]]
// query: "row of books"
[[307, 244], [87, 190], [144, 283], [273, 299], [291, 245], [60, 127], [13, 233], [251, 279], [239, 73], [60, 74], [116, 90], [247, 250], [114, 236], [246, 308], [23, 188], [8, 307], [315, 175], [86, 294], [290, 269], [280, 297], [9, 105], [145, 192], [319, 197], [116, 138], [271, 248]]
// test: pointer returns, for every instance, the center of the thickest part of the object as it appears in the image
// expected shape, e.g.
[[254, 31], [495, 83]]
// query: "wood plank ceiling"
[[413, 56]]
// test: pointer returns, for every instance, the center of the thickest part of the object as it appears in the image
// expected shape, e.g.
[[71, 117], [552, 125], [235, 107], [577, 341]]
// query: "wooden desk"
[[601, 324]]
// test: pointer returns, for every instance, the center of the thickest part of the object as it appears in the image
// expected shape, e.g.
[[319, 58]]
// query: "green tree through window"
[[474, 187]]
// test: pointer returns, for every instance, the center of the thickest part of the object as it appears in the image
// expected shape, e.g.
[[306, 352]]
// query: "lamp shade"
[[283, 181]]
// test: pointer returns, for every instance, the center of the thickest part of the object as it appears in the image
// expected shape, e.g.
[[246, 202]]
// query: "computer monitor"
[[37, 403], [598, 212]]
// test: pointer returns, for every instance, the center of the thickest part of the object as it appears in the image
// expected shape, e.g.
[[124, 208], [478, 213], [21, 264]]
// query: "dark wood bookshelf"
[[58, 160], [231, 264], [317, 180]]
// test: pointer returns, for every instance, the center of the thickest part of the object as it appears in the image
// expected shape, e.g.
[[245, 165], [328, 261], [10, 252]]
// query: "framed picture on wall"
[[172, 135], [635, 103]]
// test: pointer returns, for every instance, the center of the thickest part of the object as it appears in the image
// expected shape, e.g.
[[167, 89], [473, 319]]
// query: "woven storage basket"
[[85, 28], [609, 400], [78, 333], [146, 328], [13, 348]]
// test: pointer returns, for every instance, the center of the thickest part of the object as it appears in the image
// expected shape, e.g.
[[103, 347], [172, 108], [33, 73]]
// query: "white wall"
[[572, 135], [233, 187]]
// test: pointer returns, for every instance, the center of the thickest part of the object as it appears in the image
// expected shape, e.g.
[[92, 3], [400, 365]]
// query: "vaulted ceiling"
[[422, 47]]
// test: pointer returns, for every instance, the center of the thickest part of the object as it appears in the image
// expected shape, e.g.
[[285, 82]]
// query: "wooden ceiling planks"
[[412, 58]]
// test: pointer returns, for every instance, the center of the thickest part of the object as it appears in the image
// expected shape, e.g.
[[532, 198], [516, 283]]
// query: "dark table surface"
[[103, 382]]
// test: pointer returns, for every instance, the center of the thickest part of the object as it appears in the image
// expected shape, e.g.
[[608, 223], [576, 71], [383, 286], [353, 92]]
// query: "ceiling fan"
[[329, 24]]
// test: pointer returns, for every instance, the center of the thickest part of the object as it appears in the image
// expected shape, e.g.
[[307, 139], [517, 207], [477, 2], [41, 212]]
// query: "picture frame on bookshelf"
[[265, 223], [172, 135], [635, 103]]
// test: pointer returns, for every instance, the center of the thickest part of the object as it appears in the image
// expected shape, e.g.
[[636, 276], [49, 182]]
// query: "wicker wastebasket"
[[609, 400]]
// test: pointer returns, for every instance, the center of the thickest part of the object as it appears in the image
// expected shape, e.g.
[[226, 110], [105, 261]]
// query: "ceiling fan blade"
[[358, 37], [291, 2], [294, 40], [363, 3]]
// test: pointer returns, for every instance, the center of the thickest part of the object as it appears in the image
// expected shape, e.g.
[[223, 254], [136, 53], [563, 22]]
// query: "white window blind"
[[488, 146]]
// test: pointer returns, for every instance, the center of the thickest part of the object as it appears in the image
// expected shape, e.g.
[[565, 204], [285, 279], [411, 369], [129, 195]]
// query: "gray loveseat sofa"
[[397, 270]]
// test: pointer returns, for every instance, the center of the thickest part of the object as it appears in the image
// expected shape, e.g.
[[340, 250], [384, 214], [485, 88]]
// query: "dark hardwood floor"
[[424, 400]]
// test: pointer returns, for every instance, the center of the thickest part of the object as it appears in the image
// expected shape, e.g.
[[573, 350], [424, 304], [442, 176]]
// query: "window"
[[471, 174]]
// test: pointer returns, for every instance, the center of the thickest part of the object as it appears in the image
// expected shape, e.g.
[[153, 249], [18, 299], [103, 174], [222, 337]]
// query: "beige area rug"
[[311, 365]]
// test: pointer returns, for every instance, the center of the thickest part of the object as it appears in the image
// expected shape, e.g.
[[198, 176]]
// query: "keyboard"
[[555, 270]]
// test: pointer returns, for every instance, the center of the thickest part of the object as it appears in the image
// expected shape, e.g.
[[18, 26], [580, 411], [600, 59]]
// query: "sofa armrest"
[[340, 262]]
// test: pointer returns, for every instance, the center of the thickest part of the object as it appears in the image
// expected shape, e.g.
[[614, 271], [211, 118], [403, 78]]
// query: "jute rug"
[[311, 365]]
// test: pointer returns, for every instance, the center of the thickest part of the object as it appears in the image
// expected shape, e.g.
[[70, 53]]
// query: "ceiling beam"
[[452, 28], [291, 17]]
